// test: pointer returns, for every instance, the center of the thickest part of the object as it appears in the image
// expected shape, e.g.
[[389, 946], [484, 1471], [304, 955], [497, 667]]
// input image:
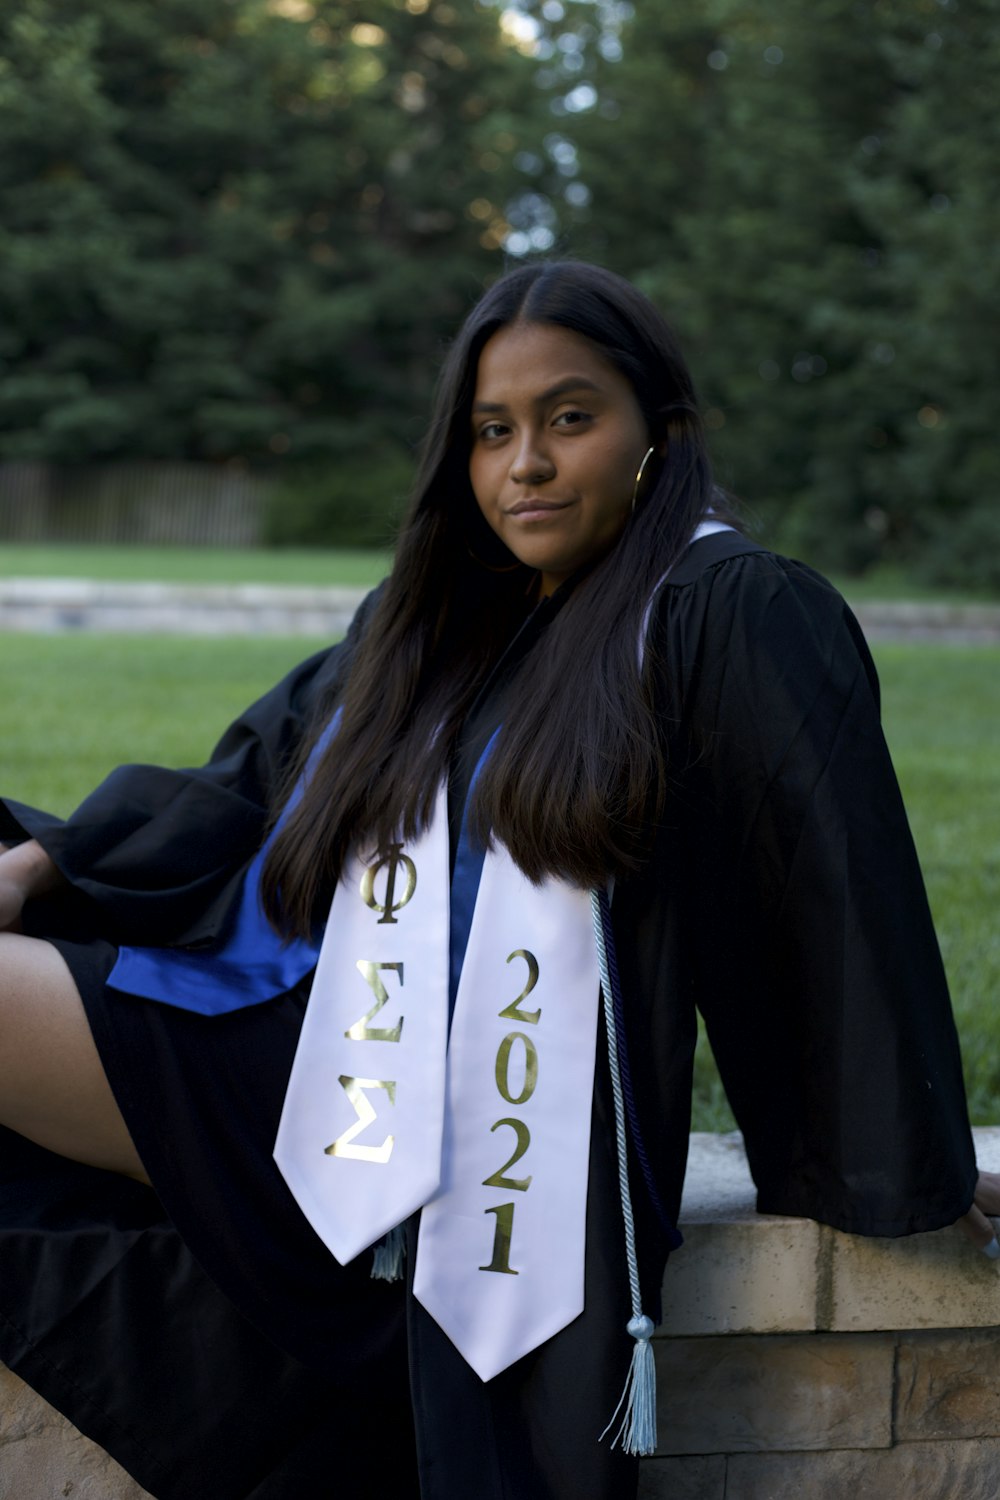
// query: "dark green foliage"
[[965, 551], [354, 503], [243, 228], [809, 191]]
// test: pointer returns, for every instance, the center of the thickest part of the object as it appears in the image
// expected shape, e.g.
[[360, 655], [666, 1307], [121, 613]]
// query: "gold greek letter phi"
[[392, 861]]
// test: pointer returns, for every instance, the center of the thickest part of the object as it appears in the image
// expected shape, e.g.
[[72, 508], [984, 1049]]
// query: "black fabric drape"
[[782, 897]]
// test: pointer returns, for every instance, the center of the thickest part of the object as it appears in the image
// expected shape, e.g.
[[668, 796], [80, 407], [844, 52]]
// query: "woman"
[[622, 695]]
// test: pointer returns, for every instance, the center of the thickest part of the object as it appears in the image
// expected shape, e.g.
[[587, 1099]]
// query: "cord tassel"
[[389, 1255], [637, 1429]]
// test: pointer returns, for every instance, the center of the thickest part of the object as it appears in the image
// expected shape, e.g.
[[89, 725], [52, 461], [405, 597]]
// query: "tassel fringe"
[[389, 1254], [637, 1430]]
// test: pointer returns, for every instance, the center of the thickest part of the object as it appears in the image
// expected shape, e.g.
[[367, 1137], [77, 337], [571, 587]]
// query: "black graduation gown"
[[782, 897]]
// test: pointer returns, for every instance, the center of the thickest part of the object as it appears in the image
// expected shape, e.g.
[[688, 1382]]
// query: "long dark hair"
[[577, 774]]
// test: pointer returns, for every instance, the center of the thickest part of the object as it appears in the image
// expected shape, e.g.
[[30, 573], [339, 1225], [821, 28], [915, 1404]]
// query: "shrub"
[[965, 552], [352, 503]]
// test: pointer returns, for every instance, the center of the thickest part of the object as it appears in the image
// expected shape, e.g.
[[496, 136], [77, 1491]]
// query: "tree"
[[778, 179], [236, 229], [929, 202]]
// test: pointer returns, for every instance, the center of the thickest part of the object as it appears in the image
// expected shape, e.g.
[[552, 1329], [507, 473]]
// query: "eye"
[[572, 418], [490, 431]]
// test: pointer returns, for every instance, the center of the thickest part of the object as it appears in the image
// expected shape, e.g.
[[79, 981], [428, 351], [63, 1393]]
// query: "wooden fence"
[[179, 504]]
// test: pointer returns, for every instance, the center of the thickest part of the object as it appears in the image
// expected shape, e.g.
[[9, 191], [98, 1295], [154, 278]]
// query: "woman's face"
[[557, 439]]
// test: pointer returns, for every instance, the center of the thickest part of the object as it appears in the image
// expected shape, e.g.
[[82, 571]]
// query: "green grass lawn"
[[86, 703], [76, 705], [941, 710], [196, 564]]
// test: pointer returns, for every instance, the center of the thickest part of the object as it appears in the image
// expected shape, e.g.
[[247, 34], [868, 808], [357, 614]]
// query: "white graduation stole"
[[359, 1141], [490, 1131], [500, 1255]]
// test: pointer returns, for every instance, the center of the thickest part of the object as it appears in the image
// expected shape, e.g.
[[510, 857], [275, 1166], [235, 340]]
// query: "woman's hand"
[[25, 871], [985, 1206]]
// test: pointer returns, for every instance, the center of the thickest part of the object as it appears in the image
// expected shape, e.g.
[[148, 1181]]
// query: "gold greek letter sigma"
[[511, 1012], [354, 1088], [530, 1067], [392, 861], [501, 1239], [361, 1031], [497, 1179]]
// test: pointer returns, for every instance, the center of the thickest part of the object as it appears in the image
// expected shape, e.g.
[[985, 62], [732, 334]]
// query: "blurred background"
[[236, 234]]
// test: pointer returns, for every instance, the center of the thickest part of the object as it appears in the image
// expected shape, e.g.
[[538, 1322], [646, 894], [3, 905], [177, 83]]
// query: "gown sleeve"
[[152, 854], [816, 965]]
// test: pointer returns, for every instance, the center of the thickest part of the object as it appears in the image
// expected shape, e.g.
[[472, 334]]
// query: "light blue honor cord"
[[637, 1404]]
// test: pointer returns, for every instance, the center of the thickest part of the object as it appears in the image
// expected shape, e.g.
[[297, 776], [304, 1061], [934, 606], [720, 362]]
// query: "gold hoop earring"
[[638, 478]]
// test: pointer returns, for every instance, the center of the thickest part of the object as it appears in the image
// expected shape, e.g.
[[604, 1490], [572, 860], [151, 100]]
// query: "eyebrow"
[[561, 388]]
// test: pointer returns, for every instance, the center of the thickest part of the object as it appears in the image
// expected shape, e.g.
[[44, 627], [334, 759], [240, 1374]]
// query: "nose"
[[532, 463]]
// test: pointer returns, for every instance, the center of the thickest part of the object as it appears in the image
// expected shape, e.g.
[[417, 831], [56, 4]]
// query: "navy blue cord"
[[674, 1237]]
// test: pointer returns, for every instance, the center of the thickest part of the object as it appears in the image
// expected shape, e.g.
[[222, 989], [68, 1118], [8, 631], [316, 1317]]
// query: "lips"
[[535, 505]]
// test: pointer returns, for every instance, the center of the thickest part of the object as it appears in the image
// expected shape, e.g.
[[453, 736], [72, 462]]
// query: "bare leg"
[[52, 1086]]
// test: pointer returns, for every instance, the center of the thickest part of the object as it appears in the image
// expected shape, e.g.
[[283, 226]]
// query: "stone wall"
[[797, 1361], [55, 604], [51, 605], [914, 1415], [793, 1361]]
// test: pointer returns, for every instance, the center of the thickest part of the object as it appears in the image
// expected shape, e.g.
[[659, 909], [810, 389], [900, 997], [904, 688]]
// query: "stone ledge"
[[775, 1392], [49, 605], [44, 1457], [913, 1471], [744, 1272], [820, 1394], [948, 1386], [962, 624]]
